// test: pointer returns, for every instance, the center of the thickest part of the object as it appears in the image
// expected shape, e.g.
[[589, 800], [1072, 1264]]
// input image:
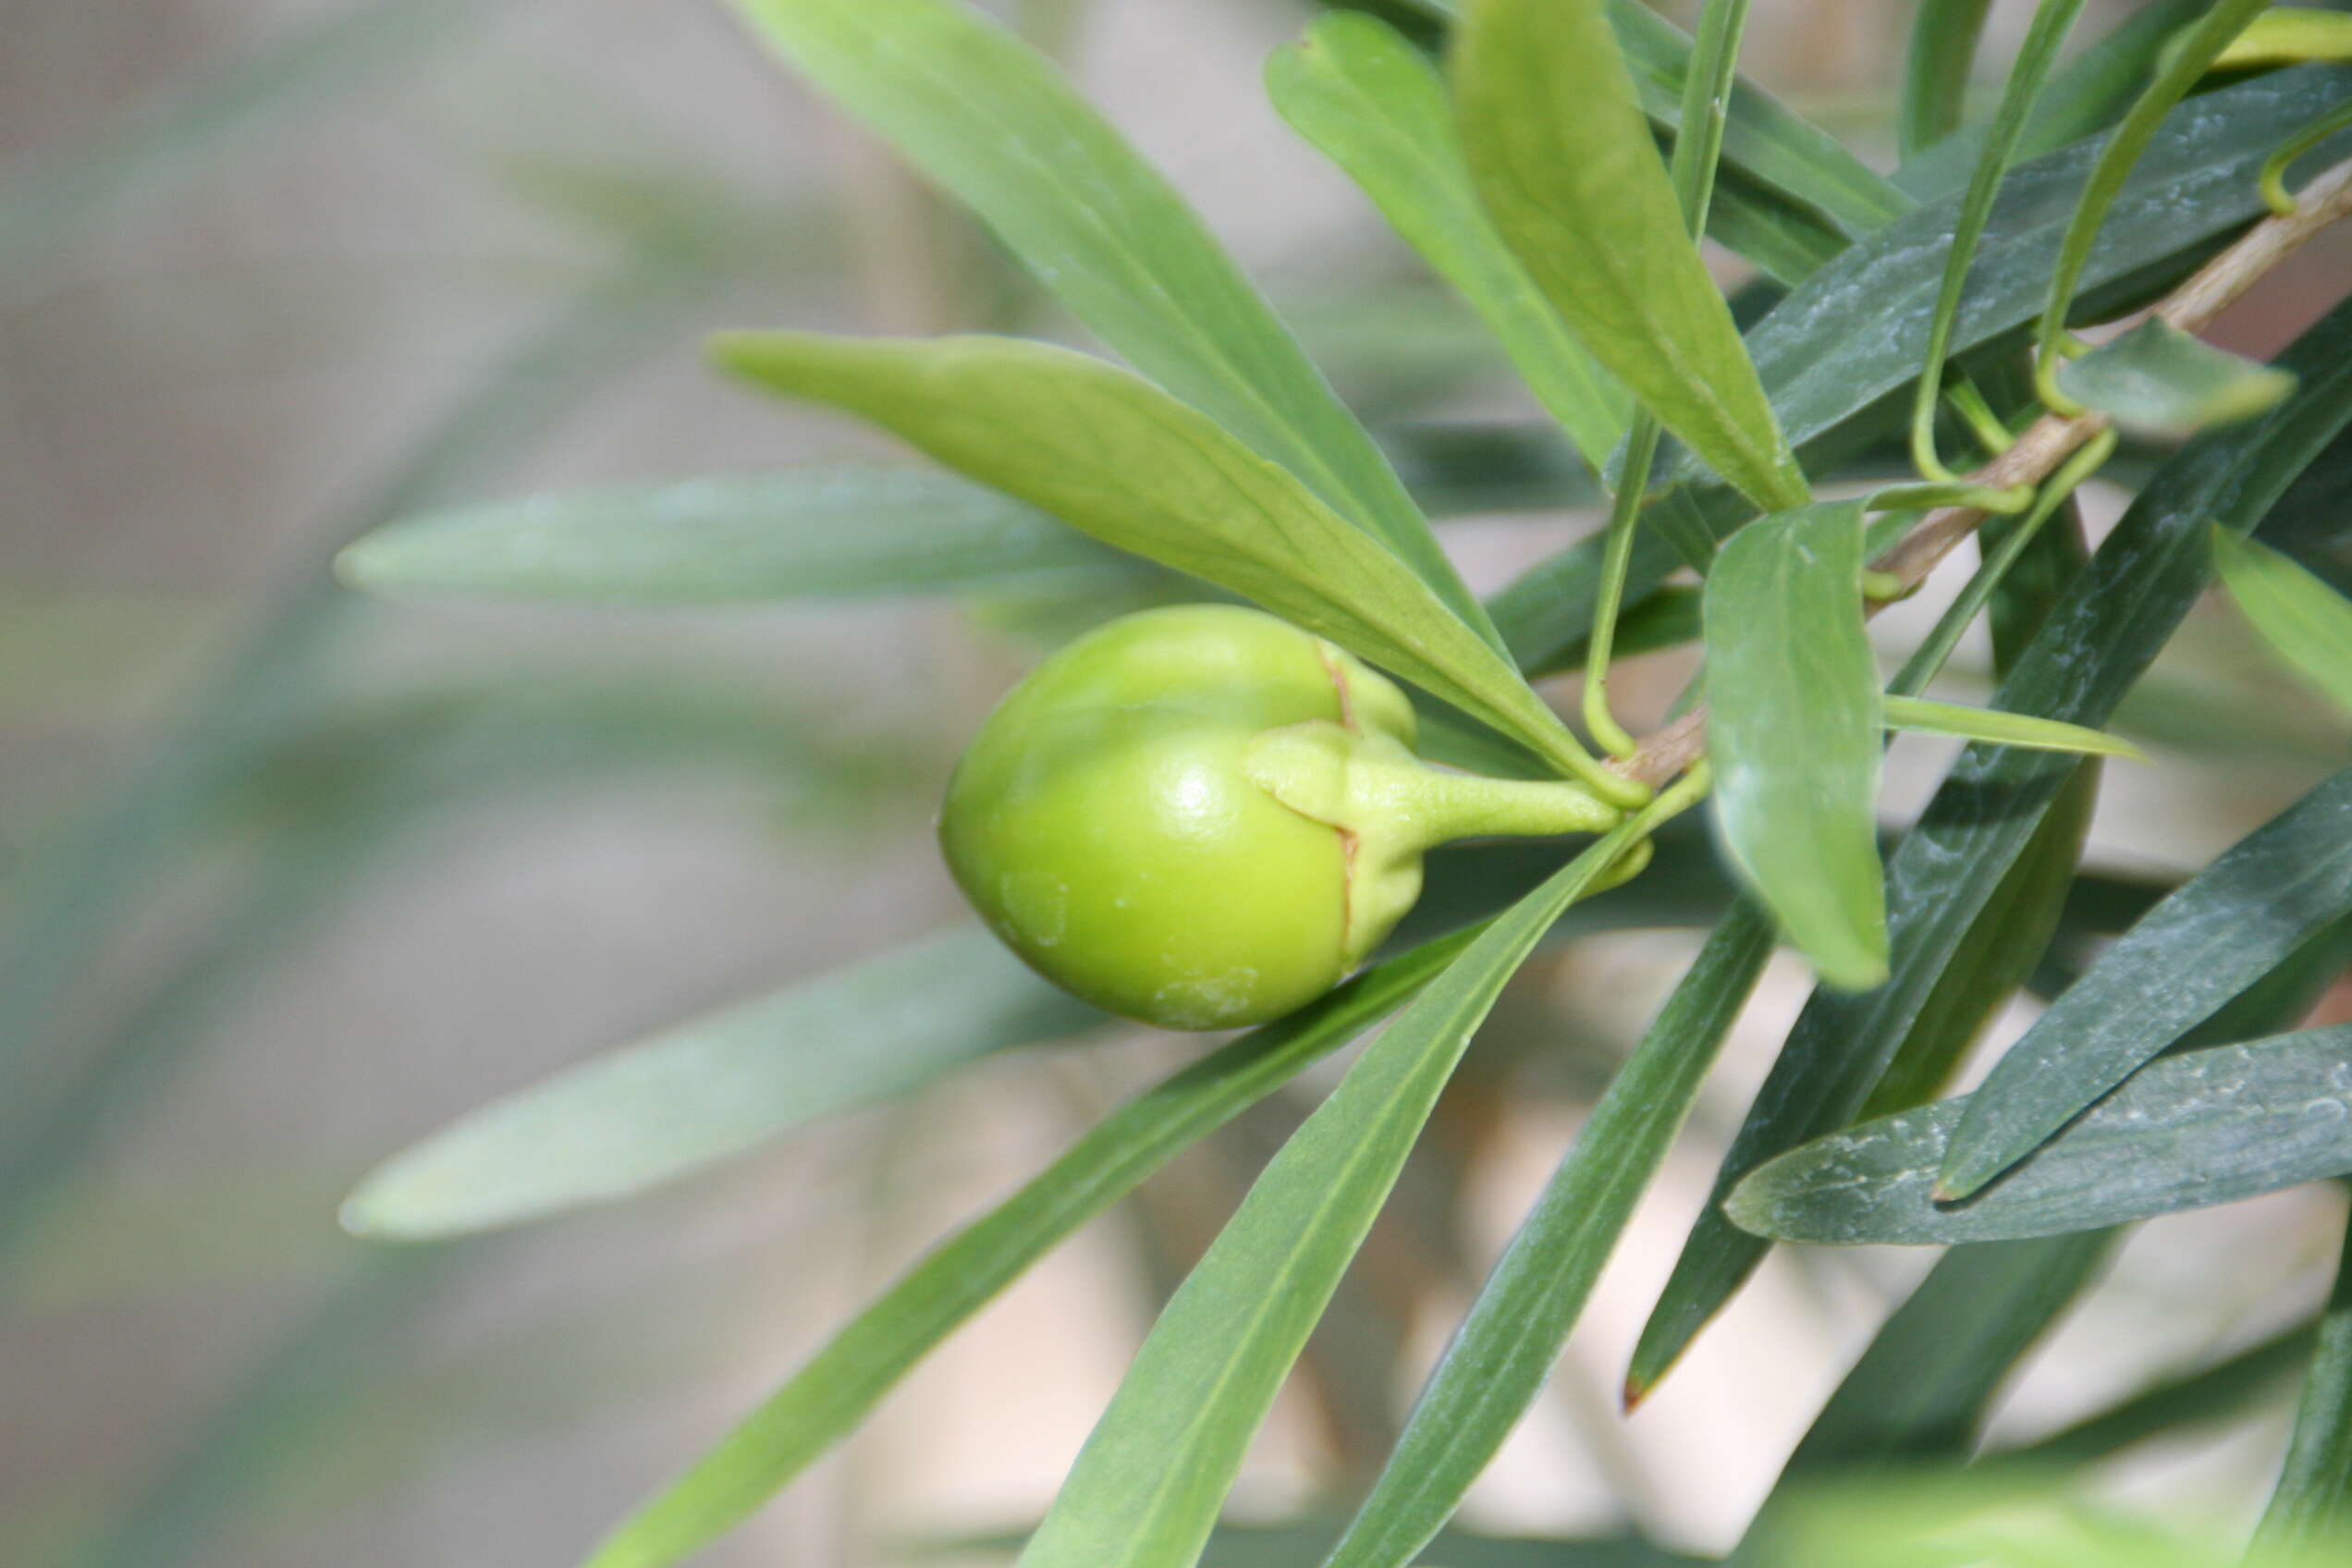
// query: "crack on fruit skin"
[[1330, 656]]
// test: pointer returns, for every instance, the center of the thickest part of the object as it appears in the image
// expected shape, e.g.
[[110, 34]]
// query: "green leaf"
[[2219, 933], [712, 1088], [1793, 732], [1564, 162], [2158, 380], [1116, 457], [1944, 34], [2312, 1505], [1149, 1485], [2286, 35], [2308, 622], [835, 1389], [2114, 618], [1289, 1545], [997, 126], [2201, 1128], [843, 530], [1356, 90], [1995, 727], [1501, 1356]]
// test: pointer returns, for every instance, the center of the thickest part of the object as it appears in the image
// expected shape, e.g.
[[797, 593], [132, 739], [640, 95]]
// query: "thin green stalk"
[[2180, 66], [1698, 145], [2274, 178], [2052, 21], [1929, 655]]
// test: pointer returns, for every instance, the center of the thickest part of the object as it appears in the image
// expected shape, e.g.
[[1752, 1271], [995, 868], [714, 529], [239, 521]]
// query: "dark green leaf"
[[2160, 381], [2114, 618], [1920, 1393], [1148, 1487], [1501, 1356], [822, 533], [1374, 106], [707, 1090], [1116, 457], [1935, 78], [2201, 1128], [1793, 732], [995, 124], [2313, 1507], [2307, 621], [833, 1391], [1998, 955], [1563, 160], [2218, 934], [1923, 716]]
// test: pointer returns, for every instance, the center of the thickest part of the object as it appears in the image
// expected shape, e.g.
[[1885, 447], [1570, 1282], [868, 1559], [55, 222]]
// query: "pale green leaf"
[[1564, 161], [1116, 457], [843, 530], [1924, 716], [2286, 35], [833, 1391], [1148, 1487], [2157, 380], [998, 126], [1370, 104], [706, 1090], [1795, 713], [2307, 621]]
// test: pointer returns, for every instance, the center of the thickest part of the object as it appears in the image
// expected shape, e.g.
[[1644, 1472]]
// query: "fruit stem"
[[1373, 786]]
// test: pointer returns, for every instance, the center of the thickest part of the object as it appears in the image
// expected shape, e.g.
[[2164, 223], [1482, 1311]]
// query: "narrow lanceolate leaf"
[[1147, 1485], [2107, 628], [1935, 78], [995, 124], [831, 531], [2157, 380], [2215, 936], [827, 1399], [2313, 1506], [1502, 1355], [1923, 716], [1564, 161], [1370, 102], [1116, 457], [1921, 1391], [2307, 621], [714, 1087], [2201, 1128], [1793, 731], [2213, 1392]]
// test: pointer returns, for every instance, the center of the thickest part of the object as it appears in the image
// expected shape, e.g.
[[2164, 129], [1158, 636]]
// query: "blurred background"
[[295, 877]]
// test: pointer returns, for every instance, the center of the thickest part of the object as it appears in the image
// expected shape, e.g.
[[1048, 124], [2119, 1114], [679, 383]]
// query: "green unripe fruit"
[[1204, 817]]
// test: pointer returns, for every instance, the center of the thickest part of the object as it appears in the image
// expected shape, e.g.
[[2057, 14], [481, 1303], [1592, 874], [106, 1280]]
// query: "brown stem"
[[2050, 440]]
